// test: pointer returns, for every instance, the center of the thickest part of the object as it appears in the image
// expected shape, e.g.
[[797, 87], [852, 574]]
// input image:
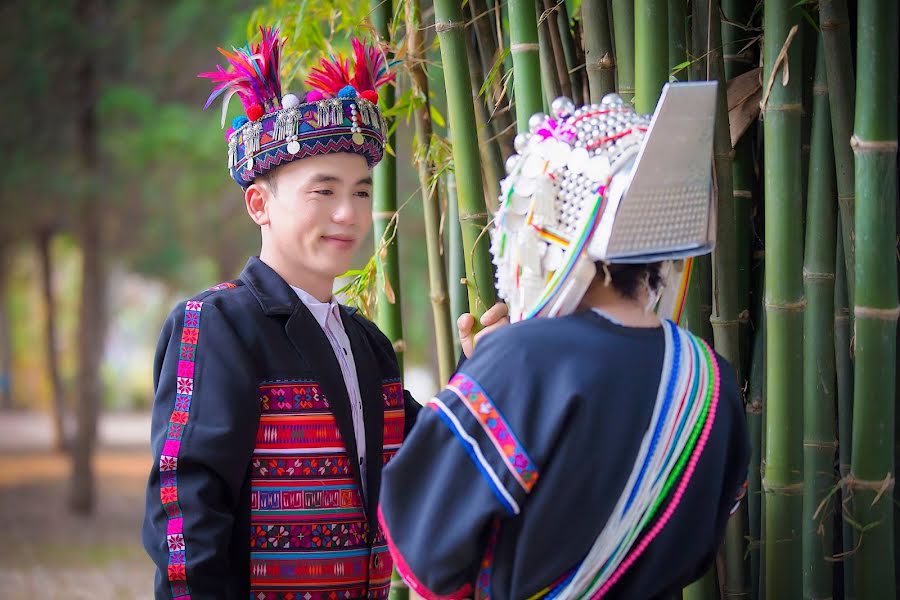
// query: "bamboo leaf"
[[495, 68]]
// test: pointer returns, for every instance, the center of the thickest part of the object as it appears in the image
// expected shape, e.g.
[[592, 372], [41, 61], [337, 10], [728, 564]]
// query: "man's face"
[[319, 212]]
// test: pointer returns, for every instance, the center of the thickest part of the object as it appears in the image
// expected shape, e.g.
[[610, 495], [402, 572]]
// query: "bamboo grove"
[[801, 293]]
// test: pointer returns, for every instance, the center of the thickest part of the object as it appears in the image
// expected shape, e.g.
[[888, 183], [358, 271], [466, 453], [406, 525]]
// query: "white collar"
[[318, 308]]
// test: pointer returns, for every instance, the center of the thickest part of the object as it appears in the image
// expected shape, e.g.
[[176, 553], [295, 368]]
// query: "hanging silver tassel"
[[529, 253], [252, 132], [286, 124], [232, 151]]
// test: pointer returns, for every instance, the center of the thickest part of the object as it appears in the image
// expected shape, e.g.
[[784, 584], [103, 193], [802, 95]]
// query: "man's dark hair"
[[269, 178], [627, 279]]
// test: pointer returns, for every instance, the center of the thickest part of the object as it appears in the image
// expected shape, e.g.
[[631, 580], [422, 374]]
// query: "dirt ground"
[[45, 551]]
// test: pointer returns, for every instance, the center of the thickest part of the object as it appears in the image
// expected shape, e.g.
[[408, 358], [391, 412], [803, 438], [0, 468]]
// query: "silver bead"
[[536, 121], [611, 100], [512, 162], [562, 107], [521, 142]]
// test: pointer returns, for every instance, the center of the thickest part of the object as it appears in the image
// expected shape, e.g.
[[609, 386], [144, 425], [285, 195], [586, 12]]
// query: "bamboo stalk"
[[488, 148], [487, 46], [819, 440], [834, 22], [572, 61], [550, 18], [437, 274], [472, 210], [755, 410], [782, 479], [456, 265], [651, 52], [726, 317], [844, 372], [384, 210], [876, 304], [678, 42], [623, 30], [524, 48], [549, 73], [600, 62]]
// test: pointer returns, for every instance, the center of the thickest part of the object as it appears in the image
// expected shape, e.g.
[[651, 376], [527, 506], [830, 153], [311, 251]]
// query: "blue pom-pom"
[[348, 91], [239, 121]]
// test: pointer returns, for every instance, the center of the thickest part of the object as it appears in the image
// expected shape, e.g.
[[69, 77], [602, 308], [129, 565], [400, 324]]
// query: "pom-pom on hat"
[[339, 113]]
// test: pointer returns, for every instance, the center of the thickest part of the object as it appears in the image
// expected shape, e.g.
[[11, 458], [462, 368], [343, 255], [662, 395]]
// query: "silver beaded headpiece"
[[603, 183]]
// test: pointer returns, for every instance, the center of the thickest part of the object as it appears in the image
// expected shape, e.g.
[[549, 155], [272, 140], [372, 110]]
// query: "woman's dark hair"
[[627, 279]]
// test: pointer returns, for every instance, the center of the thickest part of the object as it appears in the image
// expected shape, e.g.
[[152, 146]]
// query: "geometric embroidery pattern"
[[168, 461], [497, 429]]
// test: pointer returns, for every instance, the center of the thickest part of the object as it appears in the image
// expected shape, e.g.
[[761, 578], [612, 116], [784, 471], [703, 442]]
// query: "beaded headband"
[[339, 114], [603, 183]]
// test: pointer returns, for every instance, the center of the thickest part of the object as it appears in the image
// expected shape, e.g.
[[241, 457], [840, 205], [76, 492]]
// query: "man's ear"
[[256, 200]]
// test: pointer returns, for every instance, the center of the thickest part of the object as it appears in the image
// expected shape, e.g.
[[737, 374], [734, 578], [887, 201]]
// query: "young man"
[[275, 407], [596, 453]]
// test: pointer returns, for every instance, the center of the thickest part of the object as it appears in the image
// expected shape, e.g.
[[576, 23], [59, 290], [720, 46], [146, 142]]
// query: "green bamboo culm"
[[523, 39], [782, 478], [600, 62], [844, 390], [384, 211], [727, 306], [755, 406], [570, 53], [437, 272], [623, 32], [871, 481], [834, 22], [450, 29], [678, 39], [818, 346], [738, 60], [456, 264], [651, 52]]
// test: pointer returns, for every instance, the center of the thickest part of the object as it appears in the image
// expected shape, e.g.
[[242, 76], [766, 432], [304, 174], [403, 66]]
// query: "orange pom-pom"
[[254, 112], [371, 96]]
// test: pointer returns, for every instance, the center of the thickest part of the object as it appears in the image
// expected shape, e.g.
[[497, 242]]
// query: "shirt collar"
[[319, 309]]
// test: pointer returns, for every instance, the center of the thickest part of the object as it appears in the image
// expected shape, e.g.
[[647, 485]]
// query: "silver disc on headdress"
[[603, 183]]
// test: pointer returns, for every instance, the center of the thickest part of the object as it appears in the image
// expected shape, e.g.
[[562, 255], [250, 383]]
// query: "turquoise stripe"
[[310, 554]]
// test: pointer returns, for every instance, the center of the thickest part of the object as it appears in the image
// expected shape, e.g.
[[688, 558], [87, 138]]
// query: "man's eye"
[[323, 192], [363, 194]]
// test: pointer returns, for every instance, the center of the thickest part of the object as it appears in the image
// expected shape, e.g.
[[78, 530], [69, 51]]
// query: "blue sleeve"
[[203, 433], [462, 470]]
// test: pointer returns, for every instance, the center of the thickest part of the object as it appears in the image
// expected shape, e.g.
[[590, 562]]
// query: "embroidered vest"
[[310, 537]]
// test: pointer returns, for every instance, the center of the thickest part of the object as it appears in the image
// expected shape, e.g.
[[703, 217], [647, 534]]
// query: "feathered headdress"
[[340, 112]]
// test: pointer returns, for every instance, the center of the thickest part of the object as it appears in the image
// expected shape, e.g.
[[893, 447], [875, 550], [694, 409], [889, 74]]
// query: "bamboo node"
[[743, 194], [791, 489], [817, 276], [779, 60], [880, 486], [787, 306], [473, 216], [823, 445], [820, 88], [872, 146], [790, 107], [880, 314], [445, 26], [524, 47], [833, 24], [384, 214]]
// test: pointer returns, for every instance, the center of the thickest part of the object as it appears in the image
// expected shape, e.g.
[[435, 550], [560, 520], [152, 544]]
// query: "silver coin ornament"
[[521, 142], [536, 121], [293, 147]]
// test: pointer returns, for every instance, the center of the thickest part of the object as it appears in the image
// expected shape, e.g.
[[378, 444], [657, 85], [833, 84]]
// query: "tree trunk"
[[58, 405], [92, 312], [623, 31]]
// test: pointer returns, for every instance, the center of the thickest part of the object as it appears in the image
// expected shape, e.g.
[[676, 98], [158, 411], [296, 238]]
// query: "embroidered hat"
[[338, 114], [603, 183]]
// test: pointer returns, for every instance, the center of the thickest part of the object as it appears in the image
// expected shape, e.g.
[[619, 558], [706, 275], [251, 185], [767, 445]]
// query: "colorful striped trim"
[[168, 461], [498, 430], [483, 584], [474, 451], [409, 577], [713, 391]]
